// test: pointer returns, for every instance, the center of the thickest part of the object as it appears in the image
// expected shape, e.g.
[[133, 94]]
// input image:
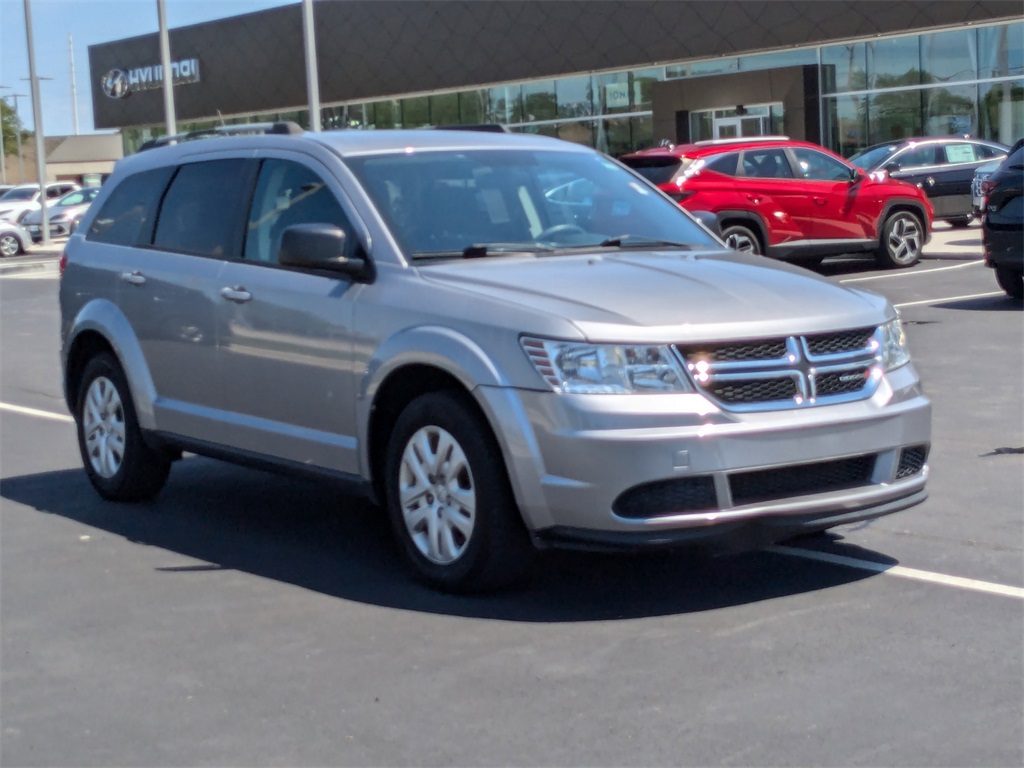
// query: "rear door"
[[767, 185]]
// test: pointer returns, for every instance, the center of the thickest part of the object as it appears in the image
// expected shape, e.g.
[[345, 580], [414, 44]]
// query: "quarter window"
[[127, 215], [288, 194], [766, 164]]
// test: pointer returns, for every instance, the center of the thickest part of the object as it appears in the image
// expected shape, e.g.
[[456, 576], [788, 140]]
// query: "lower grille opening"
[[667, 497], [805, 479], [912, 461]]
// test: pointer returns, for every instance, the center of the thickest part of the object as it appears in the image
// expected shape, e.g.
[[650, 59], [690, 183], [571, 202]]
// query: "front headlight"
[[581, 368], [894, 351]]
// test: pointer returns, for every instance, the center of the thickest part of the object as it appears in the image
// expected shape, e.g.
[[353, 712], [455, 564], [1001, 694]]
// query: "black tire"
[[959, 222], [485, 548], [117, 460], [1011, 281], [900, 241], [809, 262], [10, 245], [742, 239]]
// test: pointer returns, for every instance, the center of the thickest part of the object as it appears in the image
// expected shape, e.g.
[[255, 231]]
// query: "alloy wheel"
[[104, 427]]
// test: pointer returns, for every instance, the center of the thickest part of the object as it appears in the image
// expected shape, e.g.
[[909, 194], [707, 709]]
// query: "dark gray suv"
[[507, 341]]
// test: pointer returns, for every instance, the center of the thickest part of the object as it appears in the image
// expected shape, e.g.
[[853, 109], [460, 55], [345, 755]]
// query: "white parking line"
[[890, 275], [902, 572], [944, 299], [35, 412]]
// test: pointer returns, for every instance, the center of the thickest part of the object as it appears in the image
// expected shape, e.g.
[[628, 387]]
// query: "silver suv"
[[507, 341]]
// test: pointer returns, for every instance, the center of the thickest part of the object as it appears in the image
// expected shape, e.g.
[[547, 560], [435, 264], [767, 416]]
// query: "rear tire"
[[448, 498], [901, 241], [742, 239], [117, 460], [10, 245], [1011, 281]]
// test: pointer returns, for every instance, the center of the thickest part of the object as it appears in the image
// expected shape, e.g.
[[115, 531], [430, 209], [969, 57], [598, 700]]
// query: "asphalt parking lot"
[[246, 619]]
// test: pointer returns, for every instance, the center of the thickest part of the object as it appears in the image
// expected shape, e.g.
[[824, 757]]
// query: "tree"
[[11, 124]]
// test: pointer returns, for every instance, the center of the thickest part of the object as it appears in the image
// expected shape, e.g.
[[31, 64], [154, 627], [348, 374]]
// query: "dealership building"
[[614, 75]]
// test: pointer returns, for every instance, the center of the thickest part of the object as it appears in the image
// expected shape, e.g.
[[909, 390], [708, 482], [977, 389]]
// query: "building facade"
[[614, 75]]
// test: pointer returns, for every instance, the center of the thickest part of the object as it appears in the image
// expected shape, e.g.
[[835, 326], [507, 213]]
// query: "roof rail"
[[739, 140], [287, 128], [485, 127]]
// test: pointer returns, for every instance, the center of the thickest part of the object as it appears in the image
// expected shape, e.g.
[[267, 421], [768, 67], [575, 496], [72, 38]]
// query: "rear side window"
[[724, 163], [128, 214], [202, 213]]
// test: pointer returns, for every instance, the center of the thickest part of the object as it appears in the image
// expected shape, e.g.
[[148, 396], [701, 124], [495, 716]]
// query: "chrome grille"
[[786, 372]]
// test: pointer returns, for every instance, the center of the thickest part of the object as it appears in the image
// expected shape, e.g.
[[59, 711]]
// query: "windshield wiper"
[[638, 241], [478, 250]]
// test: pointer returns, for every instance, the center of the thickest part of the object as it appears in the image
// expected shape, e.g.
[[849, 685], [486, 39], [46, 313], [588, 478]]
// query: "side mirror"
[[891, 167], [709, 220], [856, 174], [321, 246]]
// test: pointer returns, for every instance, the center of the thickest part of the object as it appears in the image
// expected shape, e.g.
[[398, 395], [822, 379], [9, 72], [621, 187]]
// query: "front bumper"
[[626, 471]]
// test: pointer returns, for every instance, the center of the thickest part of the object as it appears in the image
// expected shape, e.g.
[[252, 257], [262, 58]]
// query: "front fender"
[[103, 317]]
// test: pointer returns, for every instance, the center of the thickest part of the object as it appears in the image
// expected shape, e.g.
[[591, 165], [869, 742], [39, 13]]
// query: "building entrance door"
[[736, 127]]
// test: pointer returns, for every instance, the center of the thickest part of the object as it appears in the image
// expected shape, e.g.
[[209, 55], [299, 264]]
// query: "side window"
[[202, 212], [288, 193], [726, 163], [766, 163], [817, 166], [53, 193], [927, 154], [960, 153], [986, 152], [127, 215]]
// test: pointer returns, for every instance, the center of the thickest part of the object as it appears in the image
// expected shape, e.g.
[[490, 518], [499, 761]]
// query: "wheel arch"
[[909, 205], [748, 219]]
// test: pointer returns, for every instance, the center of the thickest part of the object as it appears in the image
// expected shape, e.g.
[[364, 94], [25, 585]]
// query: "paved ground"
[[245, 619]]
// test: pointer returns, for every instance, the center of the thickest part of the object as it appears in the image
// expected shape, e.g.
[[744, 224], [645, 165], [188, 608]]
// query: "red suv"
[[792, 200]]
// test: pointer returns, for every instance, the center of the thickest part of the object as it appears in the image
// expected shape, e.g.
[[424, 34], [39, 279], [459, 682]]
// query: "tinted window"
[[927, 154], [987, 152], [203, 210], [656, 169], [724, 163], [287, 194], [127, 216], [818, 166], [766, 164]]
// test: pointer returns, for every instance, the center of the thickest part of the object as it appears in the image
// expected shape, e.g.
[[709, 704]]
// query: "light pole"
[[37, 119]]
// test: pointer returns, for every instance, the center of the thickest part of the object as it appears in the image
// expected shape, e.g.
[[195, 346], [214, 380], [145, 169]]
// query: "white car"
[[13, 239], [16, 203]]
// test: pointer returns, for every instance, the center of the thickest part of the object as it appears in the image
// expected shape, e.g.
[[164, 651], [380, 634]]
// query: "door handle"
[[238, 294], [134, 278], [754, 199], [819, 201]]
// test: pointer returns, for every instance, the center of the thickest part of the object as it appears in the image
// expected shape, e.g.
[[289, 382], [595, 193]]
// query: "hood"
[[35, 216], [665, 296]]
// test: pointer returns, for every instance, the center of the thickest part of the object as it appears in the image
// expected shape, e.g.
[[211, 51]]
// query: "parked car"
[[64, 214], [791, 199], [411, 313], [13, 239], [17, 203], [1002, 227], [943, 167], [5, 188]]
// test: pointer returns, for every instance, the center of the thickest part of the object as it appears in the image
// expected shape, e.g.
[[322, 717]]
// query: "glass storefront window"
[[473, 107], [444, 109], [949, 56], [844, 68], [951, 111], [578, 132], [1001, 111], [505, 104], [894, 62], [539, 101], [573, 95], [415, 112], [612, 93], [777, 59], [387, 114], [895, 115], [1002, 50], [845, 128], [642, 130], [699, 68], [643, 81]]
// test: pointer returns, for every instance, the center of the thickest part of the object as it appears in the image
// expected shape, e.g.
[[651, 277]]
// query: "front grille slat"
[[801, 480], [785, 372]]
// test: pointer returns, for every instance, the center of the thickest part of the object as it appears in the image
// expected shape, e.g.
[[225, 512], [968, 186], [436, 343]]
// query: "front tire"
[[901, 241], [120, 466], [449, 500], [10, 245], [1011, 281], [742, 239]]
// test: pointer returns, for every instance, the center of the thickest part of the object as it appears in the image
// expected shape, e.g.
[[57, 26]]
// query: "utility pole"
[[170, 119], [74, 94], [312, 76], [37, 118]]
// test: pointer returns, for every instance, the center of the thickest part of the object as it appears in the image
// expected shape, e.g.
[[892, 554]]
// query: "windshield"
[[19, 194], [79, 197], [873, 157], [486, 201], [659, 169]]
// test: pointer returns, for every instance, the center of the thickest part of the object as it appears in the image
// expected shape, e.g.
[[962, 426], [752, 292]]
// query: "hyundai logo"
[[115, 84]]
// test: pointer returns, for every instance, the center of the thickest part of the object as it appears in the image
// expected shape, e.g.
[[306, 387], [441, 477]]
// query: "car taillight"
[[987, 186], [63, 263]]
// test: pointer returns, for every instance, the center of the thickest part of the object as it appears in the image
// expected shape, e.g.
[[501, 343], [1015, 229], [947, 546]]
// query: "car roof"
[[715, 147], [915, 140]]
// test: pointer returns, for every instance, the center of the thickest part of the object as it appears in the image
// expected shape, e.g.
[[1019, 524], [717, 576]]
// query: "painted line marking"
[[902, 572], [944, 299], [912, 274], [35, 412]]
